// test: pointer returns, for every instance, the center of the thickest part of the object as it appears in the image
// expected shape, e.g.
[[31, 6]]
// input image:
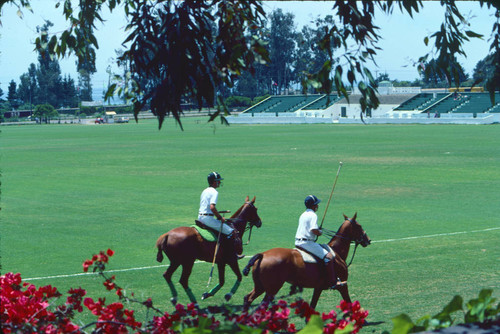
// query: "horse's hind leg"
[[186, 272], [258, 289], [168, 277]]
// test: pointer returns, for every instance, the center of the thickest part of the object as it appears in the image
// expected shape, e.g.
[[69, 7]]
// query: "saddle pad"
[[206, 234], [308, 258]]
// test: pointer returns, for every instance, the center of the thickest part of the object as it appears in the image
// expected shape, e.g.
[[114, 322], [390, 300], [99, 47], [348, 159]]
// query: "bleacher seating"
[[478, 103], [415, 102], [446, 105], [322, 102], [282, 104], [421, 101], [263, 105], [469, 103]]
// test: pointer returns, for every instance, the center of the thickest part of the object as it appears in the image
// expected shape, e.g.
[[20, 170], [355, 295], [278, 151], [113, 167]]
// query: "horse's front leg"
[[344, 292], [236, 269], [315, 297], [221, 270]]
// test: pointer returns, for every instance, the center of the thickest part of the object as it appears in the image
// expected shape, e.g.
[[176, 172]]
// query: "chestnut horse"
[[272, 268], [183, 245]]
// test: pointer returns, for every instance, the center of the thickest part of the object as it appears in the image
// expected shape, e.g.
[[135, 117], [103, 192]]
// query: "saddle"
[[210, 234], [206, 232], [311, 258]]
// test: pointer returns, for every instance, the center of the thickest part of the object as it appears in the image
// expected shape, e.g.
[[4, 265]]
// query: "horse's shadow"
[[373, 323]]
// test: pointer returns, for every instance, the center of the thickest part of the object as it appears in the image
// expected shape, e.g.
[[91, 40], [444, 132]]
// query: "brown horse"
[[272, 268], [183, 245]]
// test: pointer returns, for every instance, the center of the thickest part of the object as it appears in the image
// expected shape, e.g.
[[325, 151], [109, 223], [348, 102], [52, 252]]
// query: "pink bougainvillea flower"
[[87, 264]]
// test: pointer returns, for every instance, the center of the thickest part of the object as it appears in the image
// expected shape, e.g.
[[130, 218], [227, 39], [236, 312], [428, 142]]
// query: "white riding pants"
[[312, 247], [214, 223]]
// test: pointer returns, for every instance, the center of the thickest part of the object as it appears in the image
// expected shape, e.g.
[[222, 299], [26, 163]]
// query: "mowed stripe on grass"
[[160, 266], [69, 191]]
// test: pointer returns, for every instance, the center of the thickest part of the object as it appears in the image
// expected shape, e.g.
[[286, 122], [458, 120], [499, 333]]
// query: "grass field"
[[428, 197]]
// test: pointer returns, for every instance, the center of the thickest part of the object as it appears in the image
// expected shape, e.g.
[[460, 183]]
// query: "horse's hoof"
[[228, 296], [173, 300], [205, 296]]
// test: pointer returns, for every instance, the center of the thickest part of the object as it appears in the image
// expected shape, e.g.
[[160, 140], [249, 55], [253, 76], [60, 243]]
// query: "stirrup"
[[338, 284], [240, 256]]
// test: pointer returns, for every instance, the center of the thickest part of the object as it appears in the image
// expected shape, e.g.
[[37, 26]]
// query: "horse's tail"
[[160, 244], [252, 261]]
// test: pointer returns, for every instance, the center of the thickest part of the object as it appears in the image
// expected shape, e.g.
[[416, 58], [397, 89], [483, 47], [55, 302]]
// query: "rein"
[[333, 234], [247, 227]]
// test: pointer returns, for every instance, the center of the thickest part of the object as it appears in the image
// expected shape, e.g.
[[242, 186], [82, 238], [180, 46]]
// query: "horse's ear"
[[354, 217], [246, 199], [253, 200], [345, 217]]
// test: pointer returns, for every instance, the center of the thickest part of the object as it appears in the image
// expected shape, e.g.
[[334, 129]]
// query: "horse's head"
[[249, 213], [355, 231]]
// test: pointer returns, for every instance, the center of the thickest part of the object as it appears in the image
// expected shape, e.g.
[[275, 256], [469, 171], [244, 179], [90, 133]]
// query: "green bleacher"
[[421, 101], [477, 103], [466, 102], [264, 106], [282, 104], [322, 102], [445, 105]]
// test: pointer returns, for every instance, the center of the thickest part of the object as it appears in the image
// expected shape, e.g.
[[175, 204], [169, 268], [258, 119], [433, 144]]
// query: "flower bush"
[[28, 309], [478, 310]]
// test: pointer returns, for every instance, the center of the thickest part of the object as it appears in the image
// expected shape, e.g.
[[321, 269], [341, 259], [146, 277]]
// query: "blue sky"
[[402, 36]]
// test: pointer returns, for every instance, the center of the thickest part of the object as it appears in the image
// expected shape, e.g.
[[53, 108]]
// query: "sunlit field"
[[428, 197]]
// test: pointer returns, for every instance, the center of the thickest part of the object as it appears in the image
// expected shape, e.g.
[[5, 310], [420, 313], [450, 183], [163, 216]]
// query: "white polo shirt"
[[308, 221], [208, 196]]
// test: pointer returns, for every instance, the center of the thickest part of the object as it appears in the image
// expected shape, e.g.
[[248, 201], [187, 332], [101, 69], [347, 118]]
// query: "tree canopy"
[[193, 49]]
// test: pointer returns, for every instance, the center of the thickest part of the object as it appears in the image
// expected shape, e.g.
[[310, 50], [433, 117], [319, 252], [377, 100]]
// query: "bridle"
[[251, 224], [340, 235]]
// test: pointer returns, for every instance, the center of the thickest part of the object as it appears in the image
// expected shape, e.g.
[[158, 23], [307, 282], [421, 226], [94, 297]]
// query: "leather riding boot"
[[330, 272], [238, 247]]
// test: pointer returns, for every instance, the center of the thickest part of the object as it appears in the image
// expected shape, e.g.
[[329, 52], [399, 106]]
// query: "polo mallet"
[[216, 249], [331, 194]]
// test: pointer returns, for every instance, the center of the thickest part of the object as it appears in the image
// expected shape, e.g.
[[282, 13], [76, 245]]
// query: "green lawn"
[[69, 191]]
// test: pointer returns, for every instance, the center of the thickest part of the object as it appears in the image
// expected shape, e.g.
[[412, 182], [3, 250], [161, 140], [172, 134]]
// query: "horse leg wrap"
[[230, 294], [172, 289], [214, 290], [235, 287], [190, 295]]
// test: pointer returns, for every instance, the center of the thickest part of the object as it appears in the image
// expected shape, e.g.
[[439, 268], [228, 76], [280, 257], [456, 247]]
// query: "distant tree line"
[[43, 88], [181, 53], [294, 54]]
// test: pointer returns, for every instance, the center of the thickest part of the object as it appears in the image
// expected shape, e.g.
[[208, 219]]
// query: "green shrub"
[[238, 101], [46, 111], [258, 99], [481, 309], [89, 110]]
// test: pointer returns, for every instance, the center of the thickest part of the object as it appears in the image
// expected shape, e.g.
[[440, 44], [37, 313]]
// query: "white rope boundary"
[[166, 265]]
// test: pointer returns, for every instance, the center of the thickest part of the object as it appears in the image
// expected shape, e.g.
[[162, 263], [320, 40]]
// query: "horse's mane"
[[237, 213]]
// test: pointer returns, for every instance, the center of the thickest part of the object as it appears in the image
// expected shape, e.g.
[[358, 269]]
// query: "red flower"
[[87, 264], [110, 252], [148, 303], [109, 285]]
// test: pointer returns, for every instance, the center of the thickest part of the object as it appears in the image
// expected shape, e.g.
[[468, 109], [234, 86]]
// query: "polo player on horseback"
[[210, 216], [306, 235]]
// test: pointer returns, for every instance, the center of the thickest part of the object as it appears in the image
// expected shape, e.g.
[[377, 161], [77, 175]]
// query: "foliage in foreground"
[[26, 308], [478, 310]]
